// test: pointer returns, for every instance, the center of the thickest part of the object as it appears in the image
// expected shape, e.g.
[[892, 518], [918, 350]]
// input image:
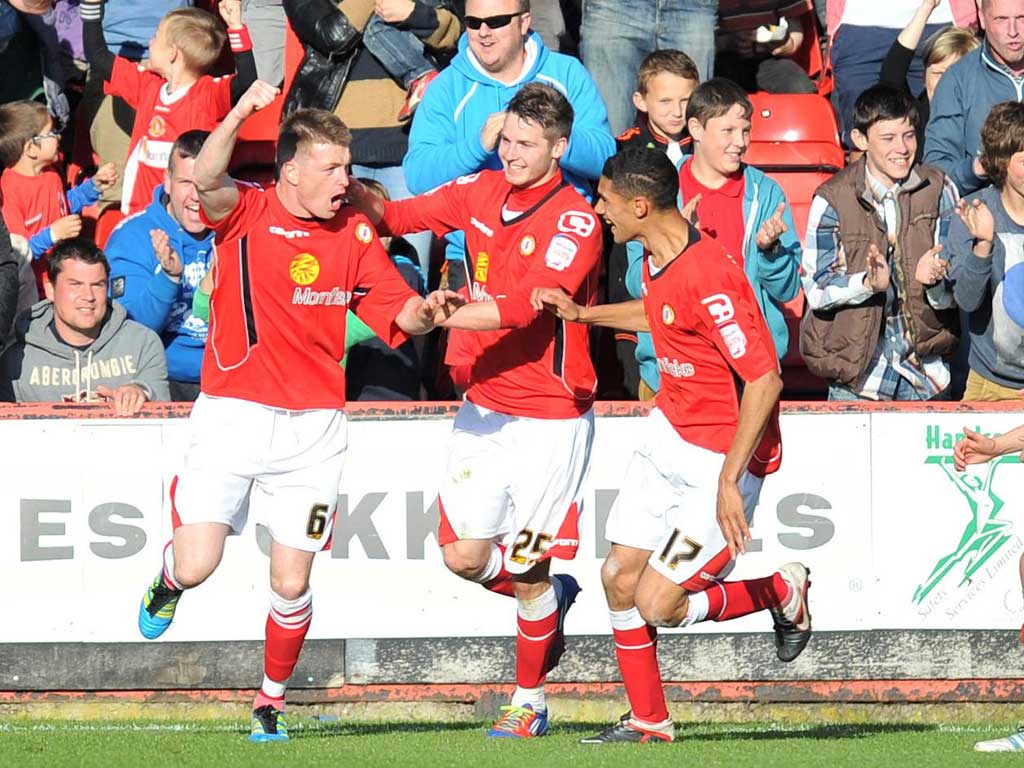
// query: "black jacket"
[[330, 41]]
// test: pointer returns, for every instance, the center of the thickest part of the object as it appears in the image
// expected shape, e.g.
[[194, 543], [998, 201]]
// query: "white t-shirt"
[[894, 14]]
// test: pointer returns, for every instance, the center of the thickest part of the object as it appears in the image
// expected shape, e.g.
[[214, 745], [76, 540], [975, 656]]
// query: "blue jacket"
[[445, 139], [775, 276], [152, 298], [963, 98]]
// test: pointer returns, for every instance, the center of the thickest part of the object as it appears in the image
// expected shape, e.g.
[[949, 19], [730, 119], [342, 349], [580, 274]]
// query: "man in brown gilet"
[[881, 316]]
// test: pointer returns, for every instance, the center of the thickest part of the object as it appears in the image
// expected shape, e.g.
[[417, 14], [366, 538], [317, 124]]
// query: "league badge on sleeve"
[[364, 233], [561, 252]]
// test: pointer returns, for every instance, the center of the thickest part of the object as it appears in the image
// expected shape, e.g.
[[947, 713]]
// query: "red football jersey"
[[30, 205], [282, 286], [160, 117], [709, 336], [535, 365]]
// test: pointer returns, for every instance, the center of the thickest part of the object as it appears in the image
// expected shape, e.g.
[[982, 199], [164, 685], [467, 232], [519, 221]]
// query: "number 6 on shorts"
[[317, 521]]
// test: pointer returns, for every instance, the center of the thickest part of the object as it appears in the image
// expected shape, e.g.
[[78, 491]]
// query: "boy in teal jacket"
[[737, 205]]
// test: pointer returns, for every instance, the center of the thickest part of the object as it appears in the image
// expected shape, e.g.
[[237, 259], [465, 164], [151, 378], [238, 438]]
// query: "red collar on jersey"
[[521, 200]]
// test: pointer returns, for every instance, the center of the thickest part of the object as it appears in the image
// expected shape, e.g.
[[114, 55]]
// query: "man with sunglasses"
[[458, 124]]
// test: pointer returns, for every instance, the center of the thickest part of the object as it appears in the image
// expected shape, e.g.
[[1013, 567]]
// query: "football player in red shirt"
[[268, 432], [512, 492], [693, 481]]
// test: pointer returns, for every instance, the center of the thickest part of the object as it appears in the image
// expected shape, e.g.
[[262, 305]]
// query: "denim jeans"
[[393, 179], [617, 36], [904, 393], [857, 56], [267, 25], [399, 51]]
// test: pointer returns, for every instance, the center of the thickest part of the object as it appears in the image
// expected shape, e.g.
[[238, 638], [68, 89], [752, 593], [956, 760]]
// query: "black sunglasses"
[[492, 22]]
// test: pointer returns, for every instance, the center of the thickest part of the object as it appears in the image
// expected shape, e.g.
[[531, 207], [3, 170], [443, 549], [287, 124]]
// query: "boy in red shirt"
[[172, 93], [38, 212], [694, 479]]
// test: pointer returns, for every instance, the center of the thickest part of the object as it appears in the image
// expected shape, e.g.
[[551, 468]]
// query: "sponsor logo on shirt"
[[289, 234], [735, 340], [561, 252], [481, 226], [722, 312], [674, 368], [155, 154], [719, 307], [577, 223], [307, 297], [304, 269], [527, 245], [363, 232], [482, 263], [479, 292]]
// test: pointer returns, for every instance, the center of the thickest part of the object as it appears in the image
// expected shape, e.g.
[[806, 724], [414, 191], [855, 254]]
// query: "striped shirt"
[[828, 285]]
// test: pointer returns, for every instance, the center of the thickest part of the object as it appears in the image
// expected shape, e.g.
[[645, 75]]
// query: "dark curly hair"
[[1002, 136]]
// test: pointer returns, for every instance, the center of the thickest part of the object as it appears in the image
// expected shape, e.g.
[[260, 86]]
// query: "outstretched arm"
[[625, 315]]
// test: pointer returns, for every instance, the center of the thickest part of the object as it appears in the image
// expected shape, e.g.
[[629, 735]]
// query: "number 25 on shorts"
[[684, 551], [317, 521], [534, 544]]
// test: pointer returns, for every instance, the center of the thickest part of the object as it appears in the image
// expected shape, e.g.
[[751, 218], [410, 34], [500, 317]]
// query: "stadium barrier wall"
[[915, 594]]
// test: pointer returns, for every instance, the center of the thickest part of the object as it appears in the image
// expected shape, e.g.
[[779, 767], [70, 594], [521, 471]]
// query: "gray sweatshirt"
[[40, 368], [997, 342]]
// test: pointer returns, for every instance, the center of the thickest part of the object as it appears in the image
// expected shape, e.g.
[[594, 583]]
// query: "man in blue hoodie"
[[457, 125], [157, 258]]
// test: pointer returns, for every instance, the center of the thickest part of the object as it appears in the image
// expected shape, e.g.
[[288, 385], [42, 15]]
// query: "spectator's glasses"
[[50, 135], [492, 22]]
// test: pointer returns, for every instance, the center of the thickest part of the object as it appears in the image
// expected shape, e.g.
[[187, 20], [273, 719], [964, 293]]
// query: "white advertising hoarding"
[[856, 501]]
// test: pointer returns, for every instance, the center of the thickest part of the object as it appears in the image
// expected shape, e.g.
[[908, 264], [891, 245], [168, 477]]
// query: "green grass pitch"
[[25, 743]]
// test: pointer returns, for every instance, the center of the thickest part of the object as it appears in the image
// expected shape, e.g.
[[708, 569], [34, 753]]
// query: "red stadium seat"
[[795, 140], [108, 219], [809, 56]]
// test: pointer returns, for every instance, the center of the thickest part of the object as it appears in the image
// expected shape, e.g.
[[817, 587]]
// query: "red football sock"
[[732, 599], [637, 652], [502, 583], [534, 643], [287, 625]]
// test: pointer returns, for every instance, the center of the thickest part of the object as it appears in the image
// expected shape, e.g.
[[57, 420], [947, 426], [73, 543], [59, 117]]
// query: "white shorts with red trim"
[[668, 505], [517, 480], [282, 466]]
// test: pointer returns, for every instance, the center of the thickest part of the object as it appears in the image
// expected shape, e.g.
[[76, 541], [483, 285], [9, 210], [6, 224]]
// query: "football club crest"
[[157, 127], [363, 232], [668, 315], [527, 245]]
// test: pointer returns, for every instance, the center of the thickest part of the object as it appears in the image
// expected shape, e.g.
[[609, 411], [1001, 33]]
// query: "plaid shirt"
[[827, 285]]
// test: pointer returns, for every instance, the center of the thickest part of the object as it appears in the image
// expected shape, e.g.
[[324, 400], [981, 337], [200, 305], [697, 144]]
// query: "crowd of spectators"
[[909, 272]]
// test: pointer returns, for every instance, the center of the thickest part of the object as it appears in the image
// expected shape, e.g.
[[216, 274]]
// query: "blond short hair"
[[950, 41], [197, 34]]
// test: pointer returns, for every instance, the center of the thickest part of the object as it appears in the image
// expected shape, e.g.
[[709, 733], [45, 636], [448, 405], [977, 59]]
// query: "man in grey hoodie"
[[77, 347]]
